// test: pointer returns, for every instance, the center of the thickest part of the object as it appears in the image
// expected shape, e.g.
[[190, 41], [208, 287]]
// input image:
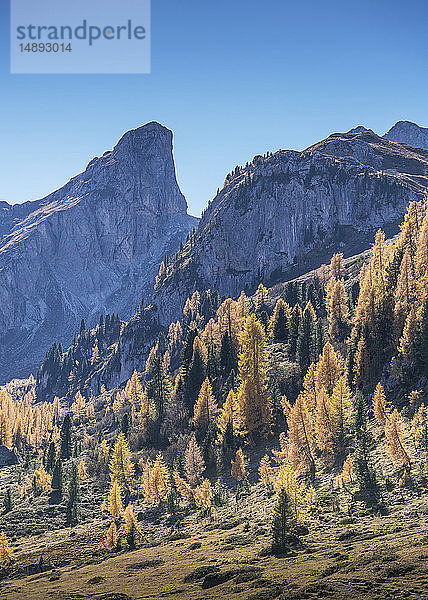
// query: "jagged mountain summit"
[[285, 213], [406, 132], [91, 247]]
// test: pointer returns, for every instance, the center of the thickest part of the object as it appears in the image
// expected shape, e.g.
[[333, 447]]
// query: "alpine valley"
[[226, 407]]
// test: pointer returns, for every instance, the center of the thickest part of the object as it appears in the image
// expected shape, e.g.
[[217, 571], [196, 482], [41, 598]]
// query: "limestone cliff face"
[[91, 247], [286, 213], [406, 132]]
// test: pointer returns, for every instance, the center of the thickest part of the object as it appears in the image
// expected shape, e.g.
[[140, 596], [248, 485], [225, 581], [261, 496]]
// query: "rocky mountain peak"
[[93, 246], [407, 132]]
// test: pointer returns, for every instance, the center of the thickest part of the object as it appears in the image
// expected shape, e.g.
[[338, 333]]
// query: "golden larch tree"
[[253, 405], [226, 415], [381, 409], [266, 472], [206, 409], [156, 481], [81, 470], [111, 537], [5, 550], [337, 309], [301, 436], [115, 505], [394, 440], [194, 462], [121, 467], [328, 369], [238, 470], [300, 496]]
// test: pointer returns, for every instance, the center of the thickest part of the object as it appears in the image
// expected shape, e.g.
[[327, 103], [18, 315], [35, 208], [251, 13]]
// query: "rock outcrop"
[[7, 457], [91, 247], [285, 213], [406, 132]]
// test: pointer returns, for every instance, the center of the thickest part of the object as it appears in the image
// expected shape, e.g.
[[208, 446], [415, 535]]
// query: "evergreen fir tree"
[[8, 500], [227, 355], [73, 497], [282, 522], [50, 459], [306, 340], [57, 482], [66, 443]]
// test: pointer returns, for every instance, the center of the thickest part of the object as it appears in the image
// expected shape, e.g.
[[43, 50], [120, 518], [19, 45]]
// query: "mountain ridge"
[[334, 193], [90, 247]]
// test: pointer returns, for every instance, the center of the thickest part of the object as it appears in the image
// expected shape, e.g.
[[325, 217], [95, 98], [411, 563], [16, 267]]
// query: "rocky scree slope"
[[91, 247]]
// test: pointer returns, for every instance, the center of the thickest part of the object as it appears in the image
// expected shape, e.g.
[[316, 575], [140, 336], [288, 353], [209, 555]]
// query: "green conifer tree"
[[73, 497]]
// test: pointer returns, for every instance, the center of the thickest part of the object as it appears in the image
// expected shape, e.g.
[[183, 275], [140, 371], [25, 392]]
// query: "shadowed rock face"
[[286, 213], [7, 457], [406, 132], [91, 247]]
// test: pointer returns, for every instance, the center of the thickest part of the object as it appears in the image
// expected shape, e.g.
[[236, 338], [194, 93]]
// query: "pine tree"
[[226, 416], [73, 497], [253, 404], [306, 338], [66, 444], [421, 257], [238, 470], [132, 536], [340, 409], [183, 488], [57, 481], [278, 326], [195, 376], [293, 329], [121, 468], [8, 500], [282, 522], [51, 457], [422, 340], [159, 384], [261, 297], [194, 462], [130, 517], [408, 341], [228, 360], [18, 434], [300, 496]]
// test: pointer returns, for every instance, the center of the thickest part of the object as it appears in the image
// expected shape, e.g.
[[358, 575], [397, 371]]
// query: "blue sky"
[[231, 79]]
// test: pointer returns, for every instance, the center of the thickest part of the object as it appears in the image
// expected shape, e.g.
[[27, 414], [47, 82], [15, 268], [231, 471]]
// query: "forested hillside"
[[266, 412]]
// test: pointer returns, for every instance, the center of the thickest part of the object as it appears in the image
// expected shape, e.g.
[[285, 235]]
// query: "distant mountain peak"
[[407, 132], [360, 129]]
